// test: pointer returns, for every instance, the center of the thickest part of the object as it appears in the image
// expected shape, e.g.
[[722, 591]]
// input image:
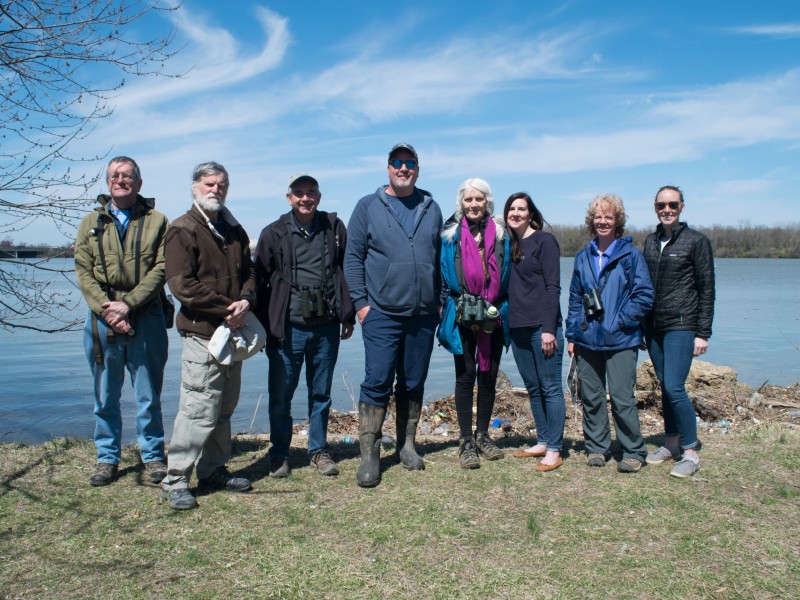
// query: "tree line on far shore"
[[756, 241]]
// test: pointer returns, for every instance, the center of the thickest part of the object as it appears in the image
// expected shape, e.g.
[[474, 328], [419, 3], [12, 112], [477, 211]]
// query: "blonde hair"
[[614, 204]]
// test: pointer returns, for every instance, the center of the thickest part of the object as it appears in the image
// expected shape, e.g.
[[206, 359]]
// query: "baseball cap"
[[298, 176], [403, 146]]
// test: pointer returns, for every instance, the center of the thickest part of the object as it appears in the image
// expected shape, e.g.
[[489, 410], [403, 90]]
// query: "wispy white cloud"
[[445, 78], [212, 60], [683, 127], [780, 30]]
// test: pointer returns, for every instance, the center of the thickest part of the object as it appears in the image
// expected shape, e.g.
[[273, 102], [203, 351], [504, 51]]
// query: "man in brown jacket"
[[209, 269]]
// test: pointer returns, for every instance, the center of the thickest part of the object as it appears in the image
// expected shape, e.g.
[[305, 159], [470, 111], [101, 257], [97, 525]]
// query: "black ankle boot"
[[370, 421]]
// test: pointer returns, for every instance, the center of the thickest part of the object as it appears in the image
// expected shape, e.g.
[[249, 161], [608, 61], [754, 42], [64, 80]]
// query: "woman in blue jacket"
[[537, 337], [475, 269], [609, 296]]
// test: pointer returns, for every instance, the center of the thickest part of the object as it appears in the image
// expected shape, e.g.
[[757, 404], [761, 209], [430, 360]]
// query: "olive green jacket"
[[147, 230]]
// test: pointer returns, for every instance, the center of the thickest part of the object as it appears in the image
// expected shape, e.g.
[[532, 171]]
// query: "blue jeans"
[[672, 353], [318, 347], [144, 356], [399, 346], [542, 378]]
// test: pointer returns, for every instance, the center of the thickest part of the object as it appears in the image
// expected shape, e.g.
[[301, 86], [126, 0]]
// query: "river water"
[[45, 383]]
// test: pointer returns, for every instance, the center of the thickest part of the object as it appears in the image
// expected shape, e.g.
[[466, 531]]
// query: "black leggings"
[[466, 371]]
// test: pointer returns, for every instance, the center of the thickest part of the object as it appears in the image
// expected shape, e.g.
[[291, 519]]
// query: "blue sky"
[[563, 100]]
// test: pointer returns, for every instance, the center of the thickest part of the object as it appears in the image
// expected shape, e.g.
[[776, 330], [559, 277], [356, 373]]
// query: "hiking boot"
[[370, 421], [596, 460], [661, 455], [467, 455], [279, 468], [629, 465], [155, 470], [324, 463], [484, 444], [685, 468], [222, 479], [179, 499], [407, 419], [104, 474]]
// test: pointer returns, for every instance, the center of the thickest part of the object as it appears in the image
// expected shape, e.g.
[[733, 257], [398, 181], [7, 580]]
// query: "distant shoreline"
[[755, 241]]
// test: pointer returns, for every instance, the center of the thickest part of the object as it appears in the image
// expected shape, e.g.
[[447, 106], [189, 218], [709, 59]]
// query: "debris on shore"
[[722, 404]]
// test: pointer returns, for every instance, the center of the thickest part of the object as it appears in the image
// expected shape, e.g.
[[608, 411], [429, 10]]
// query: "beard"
[[209, 203]]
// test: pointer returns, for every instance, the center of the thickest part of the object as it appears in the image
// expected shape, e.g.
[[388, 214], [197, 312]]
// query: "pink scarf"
[[479, 282]]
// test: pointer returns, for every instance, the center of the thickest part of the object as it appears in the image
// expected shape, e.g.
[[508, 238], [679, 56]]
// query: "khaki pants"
[[202, 431]]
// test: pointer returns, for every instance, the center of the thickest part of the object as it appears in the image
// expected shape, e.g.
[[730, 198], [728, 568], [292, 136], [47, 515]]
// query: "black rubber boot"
[[370, 421], [408, 412]]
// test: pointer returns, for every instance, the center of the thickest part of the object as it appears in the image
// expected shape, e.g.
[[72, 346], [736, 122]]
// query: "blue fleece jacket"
[[386, 268], [627, 296]]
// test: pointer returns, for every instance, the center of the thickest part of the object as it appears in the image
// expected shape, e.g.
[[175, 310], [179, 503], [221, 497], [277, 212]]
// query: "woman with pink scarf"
[[475, 270]]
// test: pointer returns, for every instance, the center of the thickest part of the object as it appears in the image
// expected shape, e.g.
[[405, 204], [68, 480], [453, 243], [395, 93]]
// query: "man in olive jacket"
[[210, 271], [119, 263]]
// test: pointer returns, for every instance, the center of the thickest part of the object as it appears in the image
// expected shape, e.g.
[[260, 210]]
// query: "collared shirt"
[[121, 218], [601, 258]]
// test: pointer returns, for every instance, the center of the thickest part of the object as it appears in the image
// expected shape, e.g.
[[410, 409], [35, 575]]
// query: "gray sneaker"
[[179, 499], [279, 468], [629, 465], [324, 463], [596, 460], [155, 470], [685, 468], [661, 455], [104, 474]]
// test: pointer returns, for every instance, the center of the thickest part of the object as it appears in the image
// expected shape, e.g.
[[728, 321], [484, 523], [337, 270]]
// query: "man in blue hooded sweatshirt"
[[391, 268]]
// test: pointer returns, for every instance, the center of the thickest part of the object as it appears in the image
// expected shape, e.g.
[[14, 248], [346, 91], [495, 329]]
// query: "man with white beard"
[[209, 269]]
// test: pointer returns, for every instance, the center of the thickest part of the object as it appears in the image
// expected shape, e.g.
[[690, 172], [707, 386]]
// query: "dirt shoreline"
[[722, 405]]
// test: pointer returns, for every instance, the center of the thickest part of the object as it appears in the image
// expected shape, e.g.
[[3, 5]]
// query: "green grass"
[[502, 531]]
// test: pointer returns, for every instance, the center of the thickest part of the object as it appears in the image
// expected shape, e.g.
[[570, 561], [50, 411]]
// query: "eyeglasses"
[[397, 163], [126, 177], [300, 195], [672, 205]]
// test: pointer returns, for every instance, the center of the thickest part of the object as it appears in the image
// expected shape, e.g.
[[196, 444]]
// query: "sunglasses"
[[397, 163], [672, 205]]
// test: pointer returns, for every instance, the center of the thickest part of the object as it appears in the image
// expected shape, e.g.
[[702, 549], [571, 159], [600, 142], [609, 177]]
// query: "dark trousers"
[[466, 374], [396, 346]]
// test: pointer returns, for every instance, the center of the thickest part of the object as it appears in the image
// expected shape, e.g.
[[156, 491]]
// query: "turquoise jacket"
[[450, 266]]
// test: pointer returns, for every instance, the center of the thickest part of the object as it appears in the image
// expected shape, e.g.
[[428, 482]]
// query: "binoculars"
[[312, 302], [477, 314], [593, 305]]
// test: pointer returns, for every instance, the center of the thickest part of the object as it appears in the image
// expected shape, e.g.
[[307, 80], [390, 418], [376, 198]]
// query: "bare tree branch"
[[61, 63]]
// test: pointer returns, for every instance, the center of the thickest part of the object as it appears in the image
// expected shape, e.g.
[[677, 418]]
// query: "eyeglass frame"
[[397, 163], [673, 205]]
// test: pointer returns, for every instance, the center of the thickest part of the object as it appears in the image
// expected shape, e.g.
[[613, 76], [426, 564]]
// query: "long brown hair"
[[537, 221]]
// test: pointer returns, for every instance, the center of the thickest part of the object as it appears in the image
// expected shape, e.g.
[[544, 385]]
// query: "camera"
[[592, 305], [312, 302]]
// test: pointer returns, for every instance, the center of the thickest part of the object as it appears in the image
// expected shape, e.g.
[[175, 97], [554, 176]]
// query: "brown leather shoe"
[[544, 468], [521, 453]]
